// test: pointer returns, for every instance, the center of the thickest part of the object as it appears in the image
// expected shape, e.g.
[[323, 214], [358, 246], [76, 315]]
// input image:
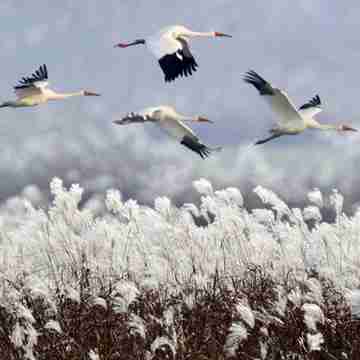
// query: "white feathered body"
[[170, 121], [166, 40]]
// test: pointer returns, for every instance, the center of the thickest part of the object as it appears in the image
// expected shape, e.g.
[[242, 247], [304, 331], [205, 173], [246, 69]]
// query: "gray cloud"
[[306, 47]]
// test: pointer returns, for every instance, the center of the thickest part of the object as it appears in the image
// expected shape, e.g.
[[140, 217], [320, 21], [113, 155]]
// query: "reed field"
[[112, 279]]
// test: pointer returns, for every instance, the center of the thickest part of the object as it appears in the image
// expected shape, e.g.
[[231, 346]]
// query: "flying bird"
[[171, 48], [290, 120], [33, 90], [173, 123]]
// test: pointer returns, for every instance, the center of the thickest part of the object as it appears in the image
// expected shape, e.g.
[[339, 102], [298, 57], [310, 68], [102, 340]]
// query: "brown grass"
[[200, 330]]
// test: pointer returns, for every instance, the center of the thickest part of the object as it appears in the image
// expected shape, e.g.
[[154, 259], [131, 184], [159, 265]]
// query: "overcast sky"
[[306, 47]]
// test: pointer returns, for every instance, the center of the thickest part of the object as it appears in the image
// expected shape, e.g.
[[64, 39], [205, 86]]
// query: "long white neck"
[[325, 126], [59, 96], [185, 118], [200, 34]]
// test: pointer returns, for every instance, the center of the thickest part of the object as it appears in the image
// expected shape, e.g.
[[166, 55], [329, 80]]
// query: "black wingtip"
[[38, 75], [253, 78], [45, 71], [176, 65], [196, 146], [314, 102]]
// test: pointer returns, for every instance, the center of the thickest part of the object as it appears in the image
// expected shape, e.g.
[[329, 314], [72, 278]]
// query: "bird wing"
[[26, 92], [173, 54], [197, 146], [312, 107], [132, 118], [32, 85], [163, 43], [150, 114], [279, 101], [187, 137], [174, 127]]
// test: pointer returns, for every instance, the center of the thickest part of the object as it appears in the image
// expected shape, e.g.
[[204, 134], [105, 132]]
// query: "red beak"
[[121, 45], [220, 34], [204, 119]]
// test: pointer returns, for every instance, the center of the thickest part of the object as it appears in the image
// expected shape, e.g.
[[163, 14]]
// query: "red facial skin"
[[220, 34]]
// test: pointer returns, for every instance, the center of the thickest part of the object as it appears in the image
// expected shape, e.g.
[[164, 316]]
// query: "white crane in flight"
[[290, 120], [173, 123], [171, 48], [33, 90]]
